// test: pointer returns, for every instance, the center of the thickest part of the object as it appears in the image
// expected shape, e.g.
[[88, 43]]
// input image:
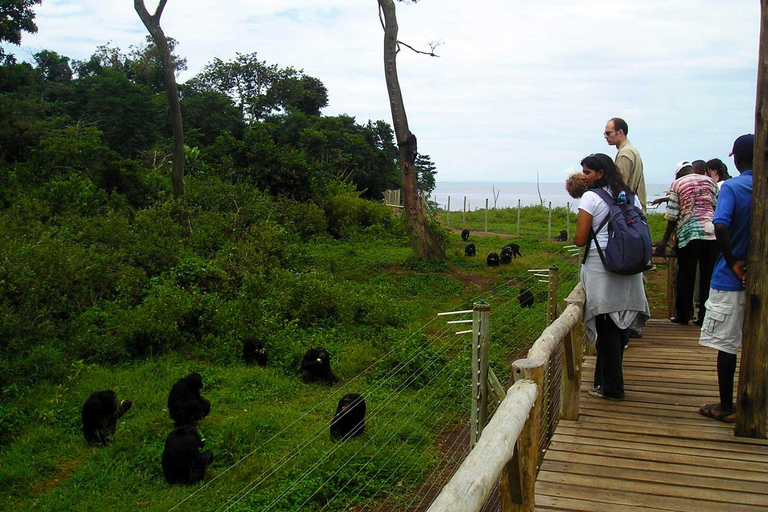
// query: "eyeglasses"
[[608, 134]]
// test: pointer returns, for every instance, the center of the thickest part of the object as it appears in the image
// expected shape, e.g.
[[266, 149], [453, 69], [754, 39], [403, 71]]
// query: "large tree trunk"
[[423, 240], [153, 26], [752, 398]]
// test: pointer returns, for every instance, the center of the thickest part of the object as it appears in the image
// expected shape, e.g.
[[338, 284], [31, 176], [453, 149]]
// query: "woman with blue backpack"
[[614, 230]]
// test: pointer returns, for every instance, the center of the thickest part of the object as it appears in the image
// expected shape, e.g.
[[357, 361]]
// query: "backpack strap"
[[609, 200]]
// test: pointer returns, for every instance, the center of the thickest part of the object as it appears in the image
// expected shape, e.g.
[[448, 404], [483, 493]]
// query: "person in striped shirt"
[[690, 210]]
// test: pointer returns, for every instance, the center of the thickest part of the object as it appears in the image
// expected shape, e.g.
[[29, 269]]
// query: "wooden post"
[[752, 397], [549, 221], [671, 286], [568, 219], [517, 484], [448, 214], [552, 296], [571, 379], [518, 217], [464, 215], [480, 315], [486, 214]]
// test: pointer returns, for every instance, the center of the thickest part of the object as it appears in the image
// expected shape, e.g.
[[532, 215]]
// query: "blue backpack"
[[629, 250]]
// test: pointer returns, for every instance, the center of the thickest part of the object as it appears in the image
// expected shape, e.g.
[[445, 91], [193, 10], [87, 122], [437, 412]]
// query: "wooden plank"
[[711, 497], [587, 436], [627, 461], [558, 503], [608, 498], [653, 474]]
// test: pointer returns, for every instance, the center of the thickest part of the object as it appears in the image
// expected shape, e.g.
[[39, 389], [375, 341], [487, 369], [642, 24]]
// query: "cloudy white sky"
[[520, 86]]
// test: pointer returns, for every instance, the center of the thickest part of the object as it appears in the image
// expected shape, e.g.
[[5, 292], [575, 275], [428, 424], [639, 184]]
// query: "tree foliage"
[[16, 16]]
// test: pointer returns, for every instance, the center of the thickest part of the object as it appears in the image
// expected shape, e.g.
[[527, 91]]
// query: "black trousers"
[[701, 252], [610, 355]]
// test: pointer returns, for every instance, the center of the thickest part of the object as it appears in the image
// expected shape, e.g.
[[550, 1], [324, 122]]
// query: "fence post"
[[518, 217], [552, 296], [448, 214], [517, 484], [571, 379], [568, 220], [480, 316], [486, 214], [549, 221], [464, 215]]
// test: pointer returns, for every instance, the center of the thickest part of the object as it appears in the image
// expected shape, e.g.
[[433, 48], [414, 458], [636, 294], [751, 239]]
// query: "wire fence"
[[408, 451]]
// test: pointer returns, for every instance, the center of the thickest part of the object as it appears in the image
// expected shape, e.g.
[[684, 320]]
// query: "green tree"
[[16, 16]]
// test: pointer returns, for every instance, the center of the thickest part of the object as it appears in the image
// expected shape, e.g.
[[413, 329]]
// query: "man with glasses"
[[630, 166], [627, 159]]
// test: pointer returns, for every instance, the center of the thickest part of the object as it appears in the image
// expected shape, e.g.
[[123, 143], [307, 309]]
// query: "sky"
[[520, 88]]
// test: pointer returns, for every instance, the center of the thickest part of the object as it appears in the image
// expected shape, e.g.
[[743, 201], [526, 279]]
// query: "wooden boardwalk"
[[654, 451]]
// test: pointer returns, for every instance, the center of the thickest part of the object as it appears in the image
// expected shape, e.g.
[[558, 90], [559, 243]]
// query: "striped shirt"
[[692, 201]]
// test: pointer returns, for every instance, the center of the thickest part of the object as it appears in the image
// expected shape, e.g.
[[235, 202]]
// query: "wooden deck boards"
[[654, 451]]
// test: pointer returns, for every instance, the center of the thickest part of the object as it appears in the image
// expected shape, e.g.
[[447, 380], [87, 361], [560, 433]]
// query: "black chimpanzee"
[[506, 256], [470, 250], [562, 237], [100, 414], [185, 405], [525, 298], [254, 352], [183, 463], [465, 235], [316, 366], [492, 260], [349, 420], [515, 249]]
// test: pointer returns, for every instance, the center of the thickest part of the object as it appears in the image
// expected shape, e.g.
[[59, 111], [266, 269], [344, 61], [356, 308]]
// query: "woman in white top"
[[613, 301]]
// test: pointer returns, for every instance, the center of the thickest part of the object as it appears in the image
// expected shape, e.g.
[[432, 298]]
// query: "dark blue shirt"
[[734, 209]]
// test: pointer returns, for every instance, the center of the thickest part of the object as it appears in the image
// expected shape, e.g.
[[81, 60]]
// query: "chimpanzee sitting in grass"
[[465, 235], [349, 420], [470, 250], [525, 298], [185, 405], [100, 414], [492, 260], [316, 366], [254, 352], [183, 463]]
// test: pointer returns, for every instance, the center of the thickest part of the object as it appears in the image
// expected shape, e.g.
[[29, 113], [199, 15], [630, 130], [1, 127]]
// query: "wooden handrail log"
[[577, 295], [552, 336], [472, 483]]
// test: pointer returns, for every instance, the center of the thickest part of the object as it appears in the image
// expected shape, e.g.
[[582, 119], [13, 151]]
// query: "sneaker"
[[596, 391]]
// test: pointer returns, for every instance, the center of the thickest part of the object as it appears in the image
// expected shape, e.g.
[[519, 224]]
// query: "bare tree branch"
[[431, 53], [159, 11]]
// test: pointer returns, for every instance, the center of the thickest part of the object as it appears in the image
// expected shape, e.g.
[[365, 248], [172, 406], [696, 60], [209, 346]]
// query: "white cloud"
[[519, 88]]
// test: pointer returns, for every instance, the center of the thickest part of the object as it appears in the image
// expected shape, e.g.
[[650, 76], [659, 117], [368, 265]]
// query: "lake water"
[[510, 192]]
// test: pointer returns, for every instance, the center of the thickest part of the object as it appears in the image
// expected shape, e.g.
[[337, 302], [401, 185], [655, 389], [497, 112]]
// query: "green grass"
[[267, 426]]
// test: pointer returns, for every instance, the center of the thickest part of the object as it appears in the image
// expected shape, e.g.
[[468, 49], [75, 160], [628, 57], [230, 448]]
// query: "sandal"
[[708, 410]]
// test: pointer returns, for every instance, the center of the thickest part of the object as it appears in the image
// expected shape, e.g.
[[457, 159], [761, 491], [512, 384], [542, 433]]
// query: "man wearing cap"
[[691, 207], [627, 160], [722, 327]]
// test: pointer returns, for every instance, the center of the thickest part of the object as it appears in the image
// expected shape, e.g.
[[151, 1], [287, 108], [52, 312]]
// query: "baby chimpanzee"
[[349, 420], [514, 248], [316, 365], [465, 235], [492, 260], [185, 405], [470, 250], [525, 298], [254, 352], [562, 237], [183, 463], [100, 414]]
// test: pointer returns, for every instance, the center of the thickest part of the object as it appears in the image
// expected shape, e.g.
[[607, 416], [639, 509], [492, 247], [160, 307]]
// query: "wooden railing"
[[513, 443]]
